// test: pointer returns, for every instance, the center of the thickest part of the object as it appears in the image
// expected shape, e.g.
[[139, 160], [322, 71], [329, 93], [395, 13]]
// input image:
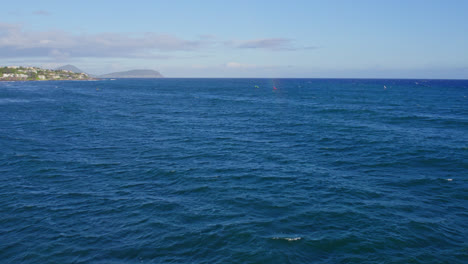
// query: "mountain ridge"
[[137, 73], [70, 67]]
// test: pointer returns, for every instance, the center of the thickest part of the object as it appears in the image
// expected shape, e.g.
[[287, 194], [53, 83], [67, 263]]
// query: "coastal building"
[[14, 75]]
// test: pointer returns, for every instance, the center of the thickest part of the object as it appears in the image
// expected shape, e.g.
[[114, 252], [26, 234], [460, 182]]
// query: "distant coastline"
[[133, 74], [18, 73], [67, 73]]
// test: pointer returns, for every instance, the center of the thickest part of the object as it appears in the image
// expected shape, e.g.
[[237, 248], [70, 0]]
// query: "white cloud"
[[16, 42], [272, 44]]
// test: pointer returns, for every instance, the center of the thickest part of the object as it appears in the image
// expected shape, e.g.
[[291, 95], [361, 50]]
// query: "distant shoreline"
[[81, 80], [19, 73]]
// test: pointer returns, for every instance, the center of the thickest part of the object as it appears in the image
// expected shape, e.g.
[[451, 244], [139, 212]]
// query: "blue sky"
[[316, 39]]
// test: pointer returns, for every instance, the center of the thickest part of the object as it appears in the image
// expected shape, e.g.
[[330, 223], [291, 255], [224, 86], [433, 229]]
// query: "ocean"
[[234, 171]]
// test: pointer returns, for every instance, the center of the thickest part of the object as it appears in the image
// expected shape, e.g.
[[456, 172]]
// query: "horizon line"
[[318, 78]]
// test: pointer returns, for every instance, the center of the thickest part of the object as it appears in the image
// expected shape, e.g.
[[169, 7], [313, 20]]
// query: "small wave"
[[287, 238], [7, 101]]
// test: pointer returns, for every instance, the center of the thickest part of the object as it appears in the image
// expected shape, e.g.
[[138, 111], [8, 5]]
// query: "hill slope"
[[71, 68], [133, 74]]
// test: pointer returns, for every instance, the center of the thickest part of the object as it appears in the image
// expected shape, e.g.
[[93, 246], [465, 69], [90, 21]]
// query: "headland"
[[19, 73]]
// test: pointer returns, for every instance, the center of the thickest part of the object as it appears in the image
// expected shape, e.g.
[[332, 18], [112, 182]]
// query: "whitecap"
[[288, 238], [7, 101]]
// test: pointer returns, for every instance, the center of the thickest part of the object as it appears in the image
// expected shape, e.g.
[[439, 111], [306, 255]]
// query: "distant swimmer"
[[256, 86], [274, 88]]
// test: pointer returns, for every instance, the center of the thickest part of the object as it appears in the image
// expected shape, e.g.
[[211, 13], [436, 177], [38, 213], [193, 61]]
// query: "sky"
[[256, 38]]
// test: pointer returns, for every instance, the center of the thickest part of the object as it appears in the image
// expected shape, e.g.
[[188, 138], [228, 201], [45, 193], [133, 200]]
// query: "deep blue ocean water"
[[218, 171]]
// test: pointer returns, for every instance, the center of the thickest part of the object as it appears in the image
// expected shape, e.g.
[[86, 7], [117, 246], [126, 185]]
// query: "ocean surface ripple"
[[219, 171]]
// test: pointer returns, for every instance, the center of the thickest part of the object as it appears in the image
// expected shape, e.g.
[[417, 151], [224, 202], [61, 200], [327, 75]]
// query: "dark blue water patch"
[[217, 170]]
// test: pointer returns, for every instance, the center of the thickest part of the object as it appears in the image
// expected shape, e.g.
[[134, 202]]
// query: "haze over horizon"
[[271, 39]]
